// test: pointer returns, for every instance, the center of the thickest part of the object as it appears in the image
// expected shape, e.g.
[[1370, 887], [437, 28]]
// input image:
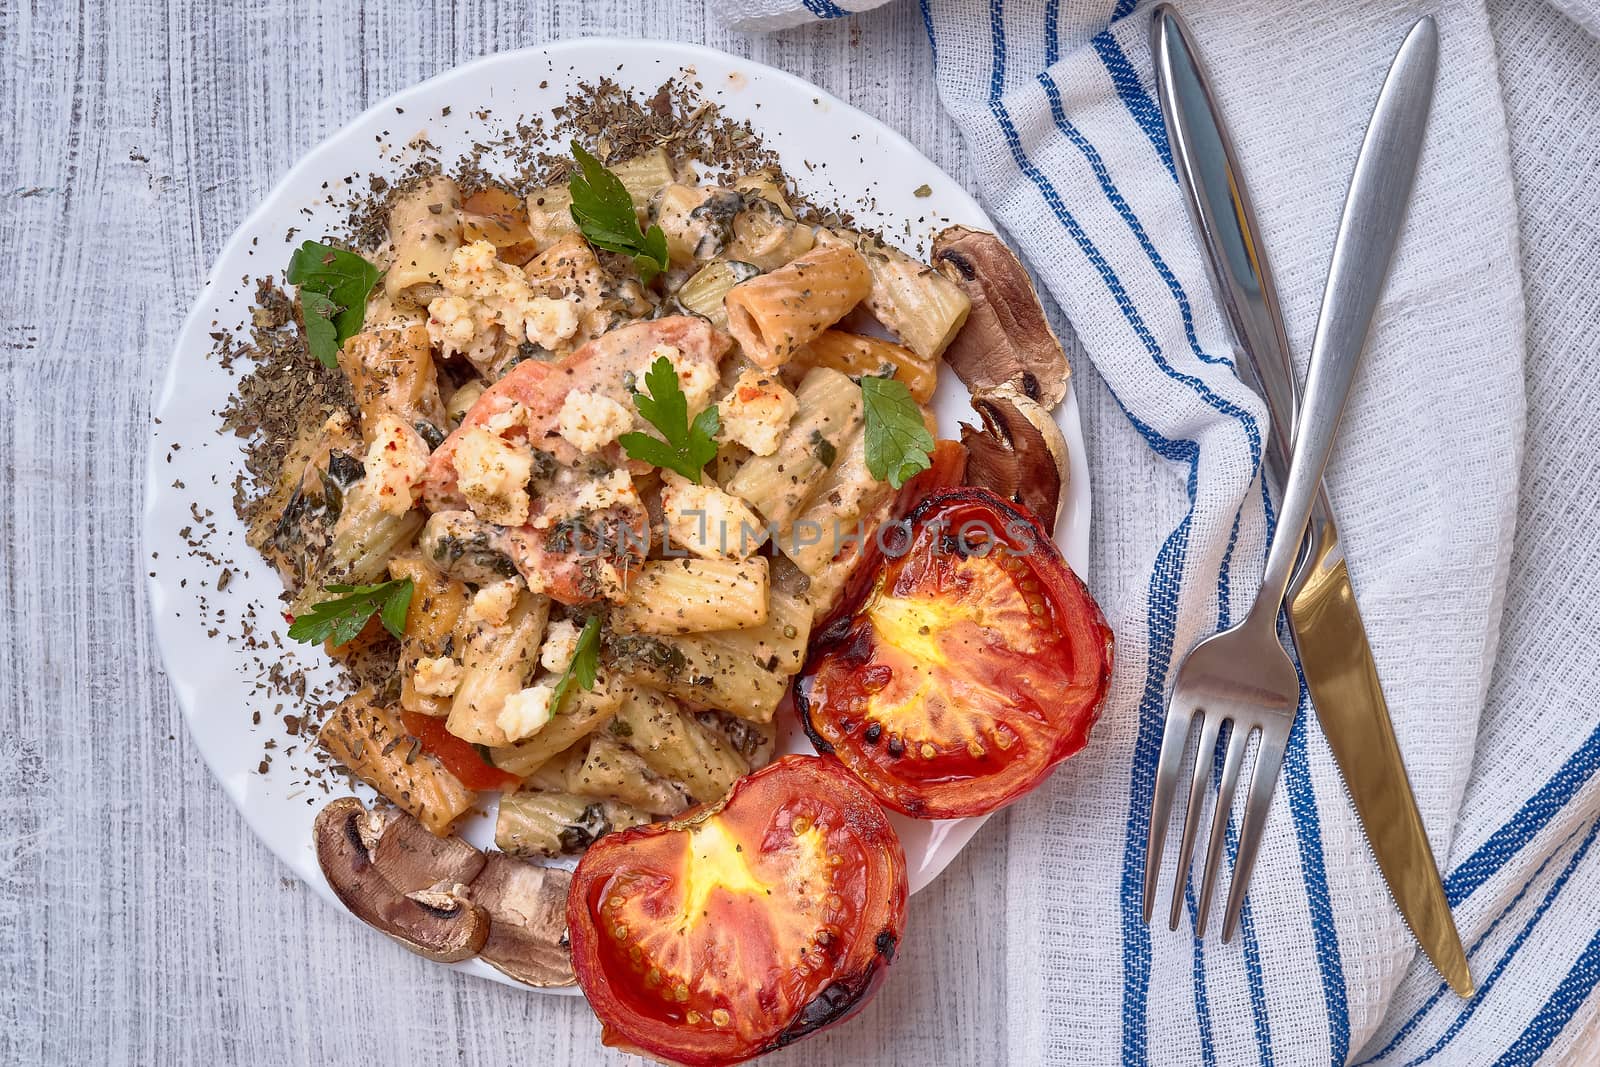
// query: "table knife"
[[1329, 635]]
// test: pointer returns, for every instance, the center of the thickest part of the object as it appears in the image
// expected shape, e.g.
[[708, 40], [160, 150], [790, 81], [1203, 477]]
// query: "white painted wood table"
[[140, 921]]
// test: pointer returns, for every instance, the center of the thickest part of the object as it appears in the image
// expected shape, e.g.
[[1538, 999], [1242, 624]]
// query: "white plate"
[[214, 678]]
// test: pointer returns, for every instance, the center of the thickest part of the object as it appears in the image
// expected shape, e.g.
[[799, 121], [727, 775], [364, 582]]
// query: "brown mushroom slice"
[[444, 925], [1007, 340], [527, 908], [411, 859], [1019, 453]]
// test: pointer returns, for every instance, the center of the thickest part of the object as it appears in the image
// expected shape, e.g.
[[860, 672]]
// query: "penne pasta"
[[771, 316], [425, 231], [779, 644], [857, 354], [644, 176], [765, 232], [695, 220], [681, 596], [706, 289], [496, 661], [778, 486], [364, 537], [707, 521], [550, 215]]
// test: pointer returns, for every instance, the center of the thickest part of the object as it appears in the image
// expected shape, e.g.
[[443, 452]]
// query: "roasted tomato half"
[[972, 664], [741, 926]]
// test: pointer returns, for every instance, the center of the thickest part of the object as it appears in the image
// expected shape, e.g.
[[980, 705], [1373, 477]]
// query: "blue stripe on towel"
[[1557, 1012], [1144, 110], [825, 9], [1534, 815], [1438, 994], [1186, 312], [1488, 983], [1165, 578], [1123, 9]]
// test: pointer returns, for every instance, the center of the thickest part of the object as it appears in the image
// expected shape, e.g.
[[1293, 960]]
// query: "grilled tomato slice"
[[968, 667], [741, 926]]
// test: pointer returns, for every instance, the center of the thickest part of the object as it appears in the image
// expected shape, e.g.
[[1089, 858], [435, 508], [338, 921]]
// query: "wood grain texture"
[[142, 921]]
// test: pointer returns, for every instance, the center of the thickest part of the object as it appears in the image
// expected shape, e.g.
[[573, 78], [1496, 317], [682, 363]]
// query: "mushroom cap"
[[1019, 453], [447, 927], [527, 906], [1007, 340]]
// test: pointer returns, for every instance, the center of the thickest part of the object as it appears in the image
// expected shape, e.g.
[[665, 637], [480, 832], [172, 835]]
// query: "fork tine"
[[1238, 738], [1263, 780], [1174, 737], [1203, 759]]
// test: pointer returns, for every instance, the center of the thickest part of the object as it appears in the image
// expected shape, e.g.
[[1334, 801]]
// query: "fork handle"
[[1374, 209]]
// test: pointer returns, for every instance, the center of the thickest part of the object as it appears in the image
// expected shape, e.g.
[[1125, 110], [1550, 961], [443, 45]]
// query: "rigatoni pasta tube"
[[496, 662], [425, 230], [924, 308], [701, 672], [582, 711], [675, 746], [432, 616], [779, 644], [774, 314], [779, 485], [681, 596], [857, 354], [372, 741]]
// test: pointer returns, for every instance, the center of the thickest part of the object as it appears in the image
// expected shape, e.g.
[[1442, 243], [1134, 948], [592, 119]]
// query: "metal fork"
[[1243, 677]]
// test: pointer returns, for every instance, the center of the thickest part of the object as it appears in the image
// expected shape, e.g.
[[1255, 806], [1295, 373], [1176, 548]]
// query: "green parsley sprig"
[[343, 617], [898, 443], [687, 447], [334, 285], [585, 663], [604, 213]]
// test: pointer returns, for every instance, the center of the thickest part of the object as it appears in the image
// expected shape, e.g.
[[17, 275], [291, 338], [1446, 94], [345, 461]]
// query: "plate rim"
[[169, 640]]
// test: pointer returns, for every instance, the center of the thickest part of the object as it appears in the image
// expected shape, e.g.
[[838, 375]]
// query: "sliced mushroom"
[[527, 907], [1006, 339], [1019, 453], [444, 925], [412, 859]]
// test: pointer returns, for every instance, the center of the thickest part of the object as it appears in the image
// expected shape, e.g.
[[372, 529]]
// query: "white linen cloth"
[[1056, 100]]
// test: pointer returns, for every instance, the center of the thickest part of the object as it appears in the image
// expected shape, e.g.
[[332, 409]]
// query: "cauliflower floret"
[[493, 475], [707, 521], [483, 291], [525, 713], [493, 603], [437, 677], [396, 462], [590, 421], [560, 645], [756, 411]]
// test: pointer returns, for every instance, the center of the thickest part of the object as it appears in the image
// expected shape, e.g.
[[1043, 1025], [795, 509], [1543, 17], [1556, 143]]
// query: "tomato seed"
[[720, 1017]]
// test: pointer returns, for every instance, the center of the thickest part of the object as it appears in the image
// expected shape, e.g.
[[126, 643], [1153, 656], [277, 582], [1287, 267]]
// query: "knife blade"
[[1325, 620]]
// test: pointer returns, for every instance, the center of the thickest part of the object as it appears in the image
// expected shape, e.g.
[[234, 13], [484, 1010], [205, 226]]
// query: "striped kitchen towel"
[[1055, 99]]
